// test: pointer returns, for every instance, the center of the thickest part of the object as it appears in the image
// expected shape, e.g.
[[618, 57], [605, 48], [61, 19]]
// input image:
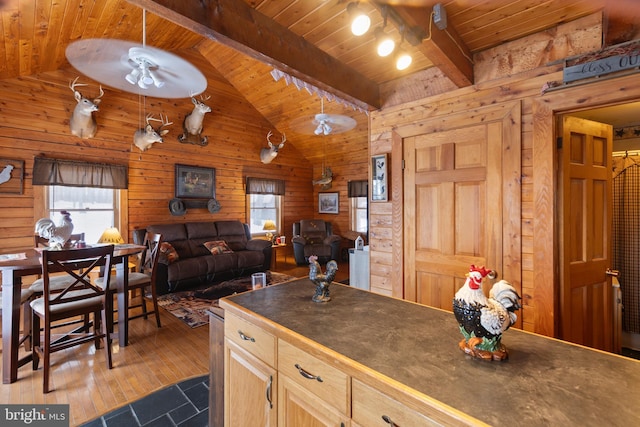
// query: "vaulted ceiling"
[[308, 39]]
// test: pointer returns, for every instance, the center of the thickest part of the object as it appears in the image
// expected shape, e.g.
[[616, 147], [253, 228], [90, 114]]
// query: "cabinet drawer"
[[328, 383], [251, 338], [369, 406]]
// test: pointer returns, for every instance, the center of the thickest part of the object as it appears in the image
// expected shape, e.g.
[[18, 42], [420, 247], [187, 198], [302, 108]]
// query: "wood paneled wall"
[[34, 118], [539, 242]]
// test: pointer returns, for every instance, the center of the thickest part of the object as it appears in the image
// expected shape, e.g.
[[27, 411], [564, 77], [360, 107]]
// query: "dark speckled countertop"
[[544, 382]]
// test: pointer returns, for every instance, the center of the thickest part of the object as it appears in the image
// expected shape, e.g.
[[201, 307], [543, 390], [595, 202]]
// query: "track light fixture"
[[385, 43], [361, 22], [403, 60]]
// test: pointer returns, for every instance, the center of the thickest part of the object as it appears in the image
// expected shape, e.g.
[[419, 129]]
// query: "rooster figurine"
[[322, 281], [57, 235], [482, 320]]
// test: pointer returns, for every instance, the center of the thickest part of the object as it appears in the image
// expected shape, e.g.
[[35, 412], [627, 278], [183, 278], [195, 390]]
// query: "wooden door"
[[586, 199], [250, 393], [462, 201]]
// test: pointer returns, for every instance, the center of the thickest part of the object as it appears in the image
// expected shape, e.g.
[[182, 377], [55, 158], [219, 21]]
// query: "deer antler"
[[150, 117], [165, 121], [75, 83]]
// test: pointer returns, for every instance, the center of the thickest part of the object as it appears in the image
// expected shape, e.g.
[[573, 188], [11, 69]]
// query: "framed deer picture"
[[195, 182]]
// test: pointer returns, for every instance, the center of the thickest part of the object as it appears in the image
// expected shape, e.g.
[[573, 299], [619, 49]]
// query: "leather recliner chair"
[[315, 237]]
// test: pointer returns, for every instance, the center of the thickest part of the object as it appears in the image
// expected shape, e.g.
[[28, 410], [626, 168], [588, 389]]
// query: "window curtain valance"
[[265, 186], [72, 173], [358, 189]]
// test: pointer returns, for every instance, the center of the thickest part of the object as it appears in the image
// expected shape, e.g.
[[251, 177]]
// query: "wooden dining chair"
[[57, 282], [81, 297], [143, 280]]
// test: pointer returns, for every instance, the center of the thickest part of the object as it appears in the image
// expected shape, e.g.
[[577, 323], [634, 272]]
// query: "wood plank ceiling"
[[309, 39]]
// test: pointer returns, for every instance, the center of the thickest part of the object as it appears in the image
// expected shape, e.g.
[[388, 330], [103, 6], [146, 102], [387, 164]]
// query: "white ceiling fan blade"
[[109, 61]]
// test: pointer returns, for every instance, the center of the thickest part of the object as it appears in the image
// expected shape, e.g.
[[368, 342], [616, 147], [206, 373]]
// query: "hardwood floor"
[[154, 359]]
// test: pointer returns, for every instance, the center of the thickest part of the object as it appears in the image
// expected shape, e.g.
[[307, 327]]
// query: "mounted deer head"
[[192, 125], [145, 138], [268, 154], [82, 122]]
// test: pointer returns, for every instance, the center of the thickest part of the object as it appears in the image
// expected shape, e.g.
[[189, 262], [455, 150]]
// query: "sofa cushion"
[[217, 247], [176, 234], [170, 232], [200, 230], [248, 259], [168, 254], [234, 233], [188, 268]]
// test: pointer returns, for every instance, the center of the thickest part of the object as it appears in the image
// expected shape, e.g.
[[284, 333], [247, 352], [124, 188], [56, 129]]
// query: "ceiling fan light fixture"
[[132, 77], [361, 22]]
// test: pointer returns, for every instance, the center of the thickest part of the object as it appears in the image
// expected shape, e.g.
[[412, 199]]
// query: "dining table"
[[16, 266]]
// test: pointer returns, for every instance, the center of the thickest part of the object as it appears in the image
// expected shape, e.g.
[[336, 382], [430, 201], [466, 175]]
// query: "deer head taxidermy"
[[145, 138], [82, 122], [192, 125], [268, 154]]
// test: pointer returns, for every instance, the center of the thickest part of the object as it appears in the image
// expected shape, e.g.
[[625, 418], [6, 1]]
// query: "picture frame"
[[379, 178], [328, 203], [11, 176], [195, 182]]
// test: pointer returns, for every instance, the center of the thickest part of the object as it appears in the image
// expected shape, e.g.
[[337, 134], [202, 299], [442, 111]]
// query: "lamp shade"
[[269, 225], [111, 235]]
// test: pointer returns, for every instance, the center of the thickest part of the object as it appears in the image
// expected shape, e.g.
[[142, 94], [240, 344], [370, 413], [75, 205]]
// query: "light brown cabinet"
[[269, 381], [250, 379], [384, 362]]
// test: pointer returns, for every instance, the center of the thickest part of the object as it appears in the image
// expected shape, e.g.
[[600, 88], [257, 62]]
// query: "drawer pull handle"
[[269, 392], [245, 337], [307, 375], [387, 419]]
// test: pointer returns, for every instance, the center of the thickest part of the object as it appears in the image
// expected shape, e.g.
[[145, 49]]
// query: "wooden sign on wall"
[[11, 176], [601, 67]]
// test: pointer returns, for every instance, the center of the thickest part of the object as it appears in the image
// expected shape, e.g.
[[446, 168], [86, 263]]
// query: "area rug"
[[190, 306]]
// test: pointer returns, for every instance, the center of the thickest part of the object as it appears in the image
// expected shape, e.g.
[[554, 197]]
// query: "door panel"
[[460, 199], [586, 193]]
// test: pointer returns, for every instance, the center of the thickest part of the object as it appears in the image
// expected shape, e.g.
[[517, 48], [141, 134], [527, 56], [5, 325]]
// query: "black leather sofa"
[[193, 264]]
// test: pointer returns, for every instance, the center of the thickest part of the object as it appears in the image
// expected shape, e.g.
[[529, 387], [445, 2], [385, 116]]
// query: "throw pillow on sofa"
[[168, 253], [218, 247]]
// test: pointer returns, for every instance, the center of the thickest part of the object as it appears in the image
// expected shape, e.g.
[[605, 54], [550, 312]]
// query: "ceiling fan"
[[136, 68], [323, 124]]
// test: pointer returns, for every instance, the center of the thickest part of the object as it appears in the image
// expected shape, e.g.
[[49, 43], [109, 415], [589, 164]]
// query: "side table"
[[274, 250]]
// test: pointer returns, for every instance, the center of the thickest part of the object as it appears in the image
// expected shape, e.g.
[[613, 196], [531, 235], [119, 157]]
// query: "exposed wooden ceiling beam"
[[235, 24], [444, 48]]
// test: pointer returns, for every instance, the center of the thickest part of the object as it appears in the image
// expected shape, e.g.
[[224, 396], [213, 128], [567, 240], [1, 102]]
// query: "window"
[[358, 213], [263, 207], [358, 206], [92, 209], [264, 201]]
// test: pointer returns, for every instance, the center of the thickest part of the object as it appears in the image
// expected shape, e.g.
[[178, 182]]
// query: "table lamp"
[[269, 226], [111, 235]]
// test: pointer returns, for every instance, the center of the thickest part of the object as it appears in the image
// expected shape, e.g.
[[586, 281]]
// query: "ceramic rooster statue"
[[57, 235], [322, 281], [482, 320]]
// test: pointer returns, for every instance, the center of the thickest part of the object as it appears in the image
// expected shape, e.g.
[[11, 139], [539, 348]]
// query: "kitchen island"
[[365, 359]]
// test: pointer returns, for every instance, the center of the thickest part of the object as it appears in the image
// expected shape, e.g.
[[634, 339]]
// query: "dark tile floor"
[[182, 405]]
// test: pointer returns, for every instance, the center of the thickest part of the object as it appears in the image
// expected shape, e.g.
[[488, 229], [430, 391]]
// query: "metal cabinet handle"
[[387, 419], [269, 392], [307, 375], [245, 337]]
